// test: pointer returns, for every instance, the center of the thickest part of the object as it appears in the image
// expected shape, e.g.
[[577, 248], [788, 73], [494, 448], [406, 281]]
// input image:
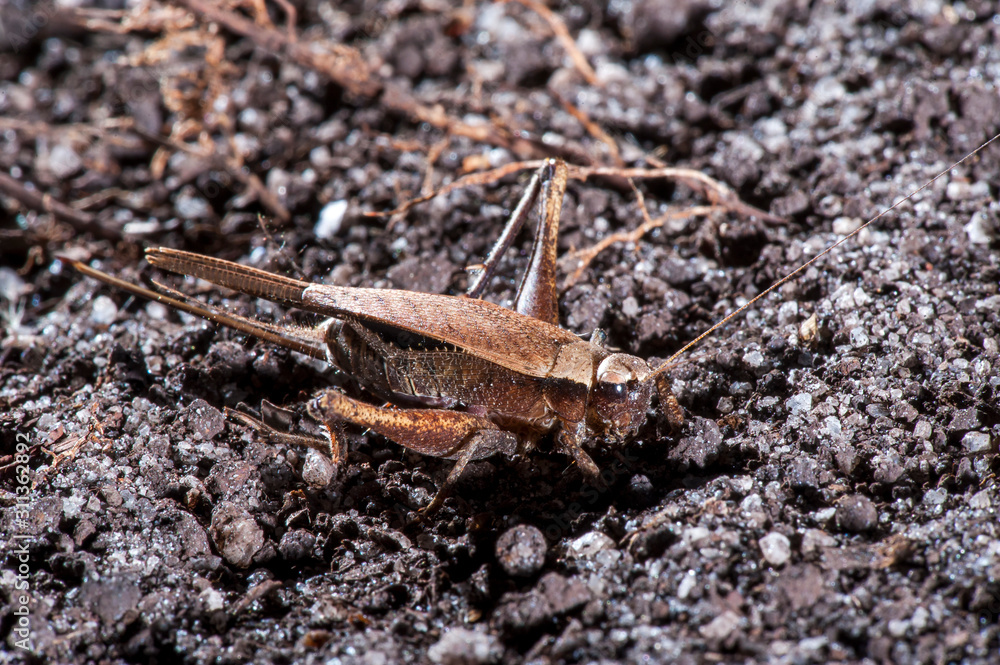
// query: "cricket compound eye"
[[620, 394], [612, 389]]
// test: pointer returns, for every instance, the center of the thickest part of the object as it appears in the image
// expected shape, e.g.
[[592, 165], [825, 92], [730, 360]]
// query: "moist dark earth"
[[832, 494]]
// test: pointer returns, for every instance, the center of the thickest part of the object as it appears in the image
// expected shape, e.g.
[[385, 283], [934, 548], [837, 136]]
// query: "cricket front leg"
[[668, 404], [570, 442], [455, 435]]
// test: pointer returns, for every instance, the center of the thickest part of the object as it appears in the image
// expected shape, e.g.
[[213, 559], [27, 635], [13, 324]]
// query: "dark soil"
[[832, 495]]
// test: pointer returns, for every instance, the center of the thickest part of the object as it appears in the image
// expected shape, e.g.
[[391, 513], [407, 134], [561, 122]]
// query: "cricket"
[[463, 379]]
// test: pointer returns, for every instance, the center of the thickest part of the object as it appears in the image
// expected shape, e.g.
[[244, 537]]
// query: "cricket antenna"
[[670, 361]]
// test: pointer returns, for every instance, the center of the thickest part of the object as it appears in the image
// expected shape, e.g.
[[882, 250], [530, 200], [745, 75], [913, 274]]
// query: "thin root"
[[584, 257], [472, 179], [561, 32]]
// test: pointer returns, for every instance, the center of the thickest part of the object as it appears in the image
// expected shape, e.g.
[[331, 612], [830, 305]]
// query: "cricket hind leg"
[[537, 295], [456, 435], [481, 274]]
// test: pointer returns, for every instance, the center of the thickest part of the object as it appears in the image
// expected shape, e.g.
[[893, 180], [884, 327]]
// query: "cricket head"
[[620, 396]]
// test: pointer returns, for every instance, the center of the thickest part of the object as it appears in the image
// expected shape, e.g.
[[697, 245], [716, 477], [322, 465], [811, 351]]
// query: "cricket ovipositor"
[[467, 378]]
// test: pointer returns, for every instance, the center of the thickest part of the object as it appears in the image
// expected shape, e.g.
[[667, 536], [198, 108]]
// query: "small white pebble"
[[935, 497], [687, 584], [981, 500], [958, 191], [317, 470], [776, 548], [898, 627], [460, 646], [589, 543], [213, 600], [976, 442], [859, 338], [845, 225], [63, 161], [979, 230], [801, 403], [788, 313], [331, 218], [103, 311]]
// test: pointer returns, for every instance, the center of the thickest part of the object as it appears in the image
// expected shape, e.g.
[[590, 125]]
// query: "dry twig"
[[594, 130], [480, 178], [716, 192], [81, 221], [561, 32], [584, 257]]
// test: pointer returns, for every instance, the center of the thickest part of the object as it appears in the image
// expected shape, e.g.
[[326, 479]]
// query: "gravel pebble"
[[976, 442], [204, 420], [297, 544], [856, 514], [935, 497], [776, 548], [64, 161], [589, 544], [236, 534], [722, 626], [317, 469], [815, 539], [521, 551], [460, 646], [103, 311], [331, 219], [801, 403]]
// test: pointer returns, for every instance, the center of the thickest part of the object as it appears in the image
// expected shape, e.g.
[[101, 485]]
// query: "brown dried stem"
[[594, 130], [561, 32], [584, 257], [716, 192], [81, 221], [478, 178]]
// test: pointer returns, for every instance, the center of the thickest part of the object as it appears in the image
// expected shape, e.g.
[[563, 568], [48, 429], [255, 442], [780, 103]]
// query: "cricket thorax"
[[620, 396]]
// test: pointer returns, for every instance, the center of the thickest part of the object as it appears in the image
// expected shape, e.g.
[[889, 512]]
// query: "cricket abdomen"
[[408, 370]]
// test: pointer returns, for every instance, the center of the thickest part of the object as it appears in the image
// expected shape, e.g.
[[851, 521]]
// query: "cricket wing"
[[504, 337]]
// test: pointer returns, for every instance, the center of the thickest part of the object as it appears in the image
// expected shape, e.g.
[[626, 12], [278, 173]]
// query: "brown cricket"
[[473, 378]]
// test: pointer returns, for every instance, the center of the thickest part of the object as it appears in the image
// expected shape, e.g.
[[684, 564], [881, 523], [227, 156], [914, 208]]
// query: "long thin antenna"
[[669, 362]]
